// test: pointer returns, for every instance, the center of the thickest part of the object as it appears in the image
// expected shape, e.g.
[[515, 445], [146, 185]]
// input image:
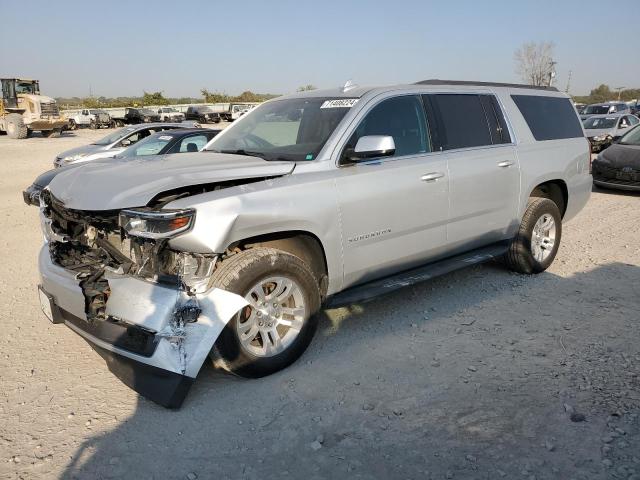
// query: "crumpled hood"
[[620, 156], [595, 132], [124, 183]]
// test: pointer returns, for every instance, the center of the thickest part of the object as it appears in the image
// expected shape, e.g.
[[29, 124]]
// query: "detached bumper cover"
[[143, 344]]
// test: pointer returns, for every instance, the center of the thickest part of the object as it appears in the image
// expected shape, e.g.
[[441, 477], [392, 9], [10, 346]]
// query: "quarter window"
[[401, 118], [549, 118], [460, 121]]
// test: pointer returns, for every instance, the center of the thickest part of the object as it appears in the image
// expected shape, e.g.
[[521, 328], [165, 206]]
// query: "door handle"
[[431, 177], [505, 164]]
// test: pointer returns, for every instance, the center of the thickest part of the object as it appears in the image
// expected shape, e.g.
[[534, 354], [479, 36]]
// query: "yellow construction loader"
[[23, 110]]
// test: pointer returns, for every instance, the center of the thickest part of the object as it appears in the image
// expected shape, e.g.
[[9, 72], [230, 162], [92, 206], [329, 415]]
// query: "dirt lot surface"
[[480, 374]]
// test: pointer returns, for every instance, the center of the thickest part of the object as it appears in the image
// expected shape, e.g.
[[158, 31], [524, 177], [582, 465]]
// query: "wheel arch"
[[555, 190], [303, 244]]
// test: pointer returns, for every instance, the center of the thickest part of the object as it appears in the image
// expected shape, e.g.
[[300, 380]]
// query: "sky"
[[120, 48]]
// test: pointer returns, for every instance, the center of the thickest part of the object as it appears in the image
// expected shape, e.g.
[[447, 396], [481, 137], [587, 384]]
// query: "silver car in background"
[[327, 197], [603, 130], [115, 143]]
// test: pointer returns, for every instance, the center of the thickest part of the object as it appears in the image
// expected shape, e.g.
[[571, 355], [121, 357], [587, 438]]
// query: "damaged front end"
[[112, 277]]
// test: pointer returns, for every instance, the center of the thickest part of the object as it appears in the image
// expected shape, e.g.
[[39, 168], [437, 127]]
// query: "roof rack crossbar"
[[434, 81]]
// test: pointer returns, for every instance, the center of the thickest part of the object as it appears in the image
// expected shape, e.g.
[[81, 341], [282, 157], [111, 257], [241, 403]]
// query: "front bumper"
[[140, 339]]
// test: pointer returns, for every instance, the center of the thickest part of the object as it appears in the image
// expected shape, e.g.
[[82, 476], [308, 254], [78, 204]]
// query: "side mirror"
[[373, 146], [624, 125]]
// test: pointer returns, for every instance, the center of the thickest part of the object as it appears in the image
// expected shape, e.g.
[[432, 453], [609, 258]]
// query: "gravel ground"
[[479, 374]]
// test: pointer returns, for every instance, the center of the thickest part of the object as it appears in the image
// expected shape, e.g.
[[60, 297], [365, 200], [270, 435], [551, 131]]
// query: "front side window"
[[401, 118], [293, 129], [459, 121], [193, 143], [152, 145]]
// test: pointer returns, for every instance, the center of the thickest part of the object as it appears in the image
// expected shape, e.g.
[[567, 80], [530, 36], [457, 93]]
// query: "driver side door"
[[393, 210]]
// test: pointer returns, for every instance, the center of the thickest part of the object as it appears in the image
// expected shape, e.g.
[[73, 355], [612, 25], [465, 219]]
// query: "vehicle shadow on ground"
[[383, 391]]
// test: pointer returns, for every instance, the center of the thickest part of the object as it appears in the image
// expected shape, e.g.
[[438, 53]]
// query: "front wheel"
[[536, 244], [280, 321]]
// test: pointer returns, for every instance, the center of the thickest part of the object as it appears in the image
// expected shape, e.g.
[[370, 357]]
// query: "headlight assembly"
[[156, 224]]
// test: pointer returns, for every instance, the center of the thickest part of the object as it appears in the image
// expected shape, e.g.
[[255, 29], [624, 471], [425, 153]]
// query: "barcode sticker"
[[340, 103]]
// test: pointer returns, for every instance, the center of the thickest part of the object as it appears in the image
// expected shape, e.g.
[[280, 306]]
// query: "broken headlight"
[[156, 224]]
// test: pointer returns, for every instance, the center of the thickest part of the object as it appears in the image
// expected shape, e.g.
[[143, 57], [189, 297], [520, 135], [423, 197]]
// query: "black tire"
[[15, 126], [72, 124], [92, 124], [519, 257], [238, 274]]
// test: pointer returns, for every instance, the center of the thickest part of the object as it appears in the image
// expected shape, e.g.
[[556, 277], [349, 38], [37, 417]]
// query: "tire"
[[531, 252], [241, 274], [92, 125], [72, 124], [15, 126]]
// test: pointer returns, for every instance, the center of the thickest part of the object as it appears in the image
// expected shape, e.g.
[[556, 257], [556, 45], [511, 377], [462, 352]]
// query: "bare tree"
[[534, 63], [306, 88]]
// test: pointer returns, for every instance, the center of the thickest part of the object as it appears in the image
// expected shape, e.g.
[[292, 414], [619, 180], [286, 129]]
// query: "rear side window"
[[460, 121], [549, 118]]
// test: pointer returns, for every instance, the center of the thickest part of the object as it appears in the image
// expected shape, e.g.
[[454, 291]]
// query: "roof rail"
[[434, 81]]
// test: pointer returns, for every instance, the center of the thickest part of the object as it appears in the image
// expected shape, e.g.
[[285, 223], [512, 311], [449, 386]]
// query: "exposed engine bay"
[[92, 243]]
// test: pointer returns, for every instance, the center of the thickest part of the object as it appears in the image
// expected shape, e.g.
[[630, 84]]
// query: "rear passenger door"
[[484, 177]]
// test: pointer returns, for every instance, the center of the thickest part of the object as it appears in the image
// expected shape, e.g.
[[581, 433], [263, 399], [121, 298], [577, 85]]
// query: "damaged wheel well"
[[303, 245]]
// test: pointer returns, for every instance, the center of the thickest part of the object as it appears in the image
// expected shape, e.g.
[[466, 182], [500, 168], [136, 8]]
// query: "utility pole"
[[619, 89], [552, 71], [568, 82]]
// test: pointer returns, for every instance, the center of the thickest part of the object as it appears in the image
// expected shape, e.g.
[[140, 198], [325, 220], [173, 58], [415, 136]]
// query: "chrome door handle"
[[505, 164], [431, 177]]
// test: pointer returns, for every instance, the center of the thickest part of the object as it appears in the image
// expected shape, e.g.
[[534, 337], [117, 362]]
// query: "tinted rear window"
[[549, 118], [459, 121]]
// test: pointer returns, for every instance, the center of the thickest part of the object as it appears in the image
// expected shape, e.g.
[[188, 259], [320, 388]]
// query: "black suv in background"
[[140, 115], [203, 114]]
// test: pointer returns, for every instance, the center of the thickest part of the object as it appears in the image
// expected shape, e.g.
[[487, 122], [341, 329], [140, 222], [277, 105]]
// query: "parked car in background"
[[170, 114], [114, 143], [618, 167], [235, 111], [604, 109], [635, 109], [89, 117], [171, 141], [603, 130], [580, 107], [203, 114], [140, 115], [232, 251]]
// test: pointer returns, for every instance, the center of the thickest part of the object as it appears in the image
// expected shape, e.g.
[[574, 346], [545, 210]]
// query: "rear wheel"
[[15, 126], [93, 125], [536, 244], [280, 321], [72, 124]]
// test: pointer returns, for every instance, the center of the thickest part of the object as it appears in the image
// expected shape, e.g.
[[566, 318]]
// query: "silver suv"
[[319, 198]]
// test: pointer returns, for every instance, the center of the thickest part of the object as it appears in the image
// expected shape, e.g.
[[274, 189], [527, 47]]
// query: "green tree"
[[154, 98], [306, 88]]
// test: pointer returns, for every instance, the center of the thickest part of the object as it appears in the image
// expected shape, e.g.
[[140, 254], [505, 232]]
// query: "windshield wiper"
[[241, 151]]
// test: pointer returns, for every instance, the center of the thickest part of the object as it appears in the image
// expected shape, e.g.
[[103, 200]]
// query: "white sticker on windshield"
[[165, 137], [341, 103]]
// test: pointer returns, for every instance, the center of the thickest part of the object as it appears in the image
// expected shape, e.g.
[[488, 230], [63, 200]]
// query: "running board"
[[369, 291]]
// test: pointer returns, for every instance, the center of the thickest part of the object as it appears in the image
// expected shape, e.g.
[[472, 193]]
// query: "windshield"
[[146, 111], [203, 109], [25, 87], [113, 137], [294, 129], [600, 122], [152, 145], [597, 109], [631, 138]]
